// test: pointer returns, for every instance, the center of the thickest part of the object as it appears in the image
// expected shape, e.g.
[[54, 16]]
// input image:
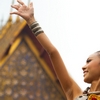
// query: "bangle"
[[35, 28]]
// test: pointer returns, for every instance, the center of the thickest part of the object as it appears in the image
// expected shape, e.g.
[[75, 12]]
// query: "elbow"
[[52, 51]]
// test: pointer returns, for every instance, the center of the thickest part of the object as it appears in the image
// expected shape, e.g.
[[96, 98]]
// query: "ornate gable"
[[25, 76]]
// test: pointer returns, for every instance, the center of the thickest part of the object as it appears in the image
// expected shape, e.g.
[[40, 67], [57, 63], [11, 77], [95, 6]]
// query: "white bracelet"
[[35, 28]]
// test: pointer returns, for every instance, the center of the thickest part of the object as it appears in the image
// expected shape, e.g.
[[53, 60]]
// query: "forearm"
[[62, 74], [46, 43], [56, 59]]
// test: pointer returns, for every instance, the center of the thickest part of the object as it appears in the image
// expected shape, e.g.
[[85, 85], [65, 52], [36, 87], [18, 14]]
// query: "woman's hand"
[[26, 12]]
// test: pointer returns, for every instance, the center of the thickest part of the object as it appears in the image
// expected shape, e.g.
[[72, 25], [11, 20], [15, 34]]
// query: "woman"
[[91, 70]]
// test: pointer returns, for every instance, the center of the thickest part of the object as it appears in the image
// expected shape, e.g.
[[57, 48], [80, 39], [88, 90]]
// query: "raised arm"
[[68, 84]]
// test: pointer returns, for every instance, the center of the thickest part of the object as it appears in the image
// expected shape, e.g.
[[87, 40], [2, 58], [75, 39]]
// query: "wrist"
[[35, 28], [30, 21]]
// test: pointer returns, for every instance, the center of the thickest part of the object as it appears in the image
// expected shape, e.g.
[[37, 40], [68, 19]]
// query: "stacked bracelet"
[[35, 28]]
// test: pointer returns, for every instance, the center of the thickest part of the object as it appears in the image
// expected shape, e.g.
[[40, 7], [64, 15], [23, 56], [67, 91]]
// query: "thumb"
[[16, 13]]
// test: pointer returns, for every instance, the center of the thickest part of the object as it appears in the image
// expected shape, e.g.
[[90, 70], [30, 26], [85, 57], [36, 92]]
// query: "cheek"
[[94, 68]]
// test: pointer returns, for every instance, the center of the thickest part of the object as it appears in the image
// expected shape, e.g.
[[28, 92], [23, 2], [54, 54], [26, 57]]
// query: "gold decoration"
[[93, 97]]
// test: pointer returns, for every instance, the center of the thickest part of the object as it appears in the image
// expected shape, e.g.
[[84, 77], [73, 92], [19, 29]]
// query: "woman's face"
[[91, 70]]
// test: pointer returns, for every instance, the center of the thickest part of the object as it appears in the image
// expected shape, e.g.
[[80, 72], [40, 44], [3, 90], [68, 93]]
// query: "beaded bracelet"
[[35, 28]]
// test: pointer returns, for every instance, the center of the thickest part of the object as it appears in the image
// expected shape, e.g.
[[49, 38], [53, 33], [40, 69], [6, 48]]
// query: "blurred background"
[[73, 26]]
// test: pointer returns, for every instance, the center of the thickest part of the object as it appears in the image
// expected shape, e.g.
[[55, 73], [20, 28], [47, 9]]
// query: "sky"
[[73, 26]]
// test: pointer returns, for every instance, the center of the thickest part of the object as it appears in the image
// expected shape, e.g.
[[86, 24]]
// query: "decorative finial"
[[1, 23], [12, 4], [28, 2]]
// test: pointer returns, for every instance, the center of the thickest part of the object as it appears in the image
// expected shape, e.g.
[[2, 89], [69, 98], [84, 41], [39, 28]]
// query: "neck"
[[95, 86]]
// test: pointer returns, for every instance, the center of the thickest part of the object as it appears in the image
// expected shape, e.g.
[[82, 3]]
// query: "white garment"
[[84, 97]]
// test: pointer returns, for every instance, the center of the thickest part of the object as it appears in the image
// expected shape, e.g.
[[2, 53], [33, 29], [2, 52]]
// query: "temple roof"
[[16, 43], [8, 34]]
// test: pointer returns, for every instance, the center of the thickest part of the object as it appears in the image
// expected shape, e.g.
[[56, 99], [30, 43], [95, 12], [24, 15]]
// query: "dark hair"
[[98, 53]]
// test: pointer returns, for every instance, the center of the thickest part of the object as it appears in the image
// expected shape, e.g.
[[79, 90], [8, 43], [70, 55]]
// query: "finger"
[[19, 1], [17, 13], [31, 5], [15, 6]]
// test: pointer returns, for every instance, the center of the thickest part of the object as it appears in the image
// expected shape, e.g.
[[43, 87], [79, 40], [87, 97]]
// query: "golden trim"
[[6, 27], [13, 47], [22, 24], [15, 44], [93, 97]]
